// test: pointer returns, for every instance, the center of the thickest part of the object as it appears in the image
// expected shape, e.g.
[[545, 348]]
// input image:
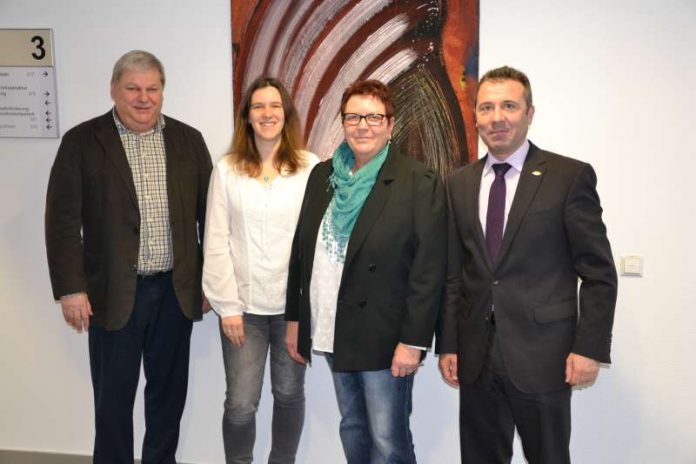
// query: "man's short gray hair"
[[136, 60]]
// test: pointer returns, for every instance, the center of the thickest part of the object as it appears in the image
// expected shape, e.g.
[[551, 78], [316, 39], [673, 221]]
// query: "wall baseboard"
[[35, 457]]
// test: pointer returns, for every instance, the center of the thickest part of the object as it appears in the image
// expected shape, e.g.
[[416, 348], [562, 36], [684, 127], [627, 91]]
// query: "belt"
[[154, 275]]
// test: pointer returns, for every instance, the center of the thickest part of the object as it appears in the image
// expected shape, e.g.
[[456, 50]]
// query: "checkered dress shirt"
[[148, 164]]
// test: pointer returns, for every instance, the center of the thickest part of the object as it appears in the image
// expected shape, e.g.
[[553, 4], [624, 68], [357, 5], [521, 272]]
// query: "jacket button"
[[362, 304], [372, 267], [135, 230], [496, 282]]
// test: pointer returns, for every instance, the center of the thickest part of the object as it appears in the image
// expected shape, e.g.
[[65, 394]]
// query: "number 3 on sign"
[[40, 52]]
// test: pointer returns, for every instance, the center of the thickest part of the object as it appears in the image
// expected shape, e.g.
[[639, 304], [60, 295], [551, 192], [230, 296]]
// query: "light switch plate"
[[632, 265]]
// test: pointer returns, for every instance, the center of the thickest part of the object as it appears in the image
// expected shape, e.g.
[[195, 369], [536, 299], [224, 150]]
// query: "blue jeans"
[[244, 368], [375, 410]]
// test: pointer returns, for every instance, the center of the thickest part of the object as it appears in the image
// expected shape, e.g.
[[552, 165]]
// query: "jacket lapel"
[[320, 194], [530, 179], [373, 206], [172, 145], [108, 137], [473, 185]]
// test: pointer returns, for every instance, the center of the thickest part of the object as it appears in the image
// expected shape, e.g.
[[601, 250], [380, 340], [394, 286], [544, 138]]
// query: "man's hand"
[[76, 311], [405, 361], [448, 369], [291, 335], [581, 371], [233, 328]]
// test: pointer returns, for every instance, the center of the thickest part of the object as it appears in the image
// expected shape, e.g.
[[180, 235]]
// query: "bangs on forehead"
[[256, 92]]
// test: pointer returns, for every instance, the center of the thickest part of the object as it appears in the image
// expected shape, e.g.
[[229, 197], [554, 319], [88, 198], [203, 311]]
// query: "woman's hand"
[[233, 328], [406, 360], [291, 334]]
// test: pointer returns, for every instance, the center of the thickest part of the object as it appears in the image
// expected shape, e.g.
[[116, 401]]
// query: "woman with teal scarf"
[[366, 275]]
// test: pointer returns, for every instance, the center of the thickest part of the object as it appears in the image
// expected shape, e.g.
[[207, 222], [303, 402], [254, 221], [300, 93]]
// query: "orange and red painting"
[[426, 50]]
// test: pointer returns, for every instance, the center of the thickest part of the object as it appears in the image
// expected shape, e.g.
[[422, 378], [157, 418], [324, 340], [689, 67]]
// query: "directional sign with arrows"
[[27, 84]]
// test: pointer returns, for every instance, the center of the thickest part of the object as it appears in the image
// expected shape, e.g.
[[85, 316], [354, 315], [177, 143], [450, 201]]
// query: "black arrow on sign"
[[46, 94], [49, 119], [47, 113], [48, 126], [45, 73], [47, 102]]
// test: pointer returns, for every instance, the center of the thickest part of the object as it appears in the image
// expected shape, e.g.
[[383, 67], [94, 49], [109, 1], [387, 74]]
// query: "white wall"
[[613, 85]]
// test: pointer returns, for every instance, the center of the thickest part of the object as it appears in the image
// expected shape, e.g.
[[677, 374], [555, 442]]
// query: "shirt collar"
[[516, 160], [123, 130]]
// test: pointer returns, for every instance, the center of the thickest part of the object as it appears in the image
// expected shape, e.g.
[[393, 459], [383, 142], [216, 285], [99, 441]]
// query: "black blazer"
[[394, 271], [554, 236], [93, 221]]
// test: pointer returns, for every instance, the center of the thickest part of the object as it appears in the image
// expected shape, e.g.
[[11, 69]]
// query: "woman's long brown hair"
[[245, 156]]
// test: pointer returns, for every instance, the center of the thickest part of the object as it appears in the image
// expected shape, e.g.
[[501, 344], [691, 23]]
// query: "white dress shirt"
[[512, 178], [249, 229]]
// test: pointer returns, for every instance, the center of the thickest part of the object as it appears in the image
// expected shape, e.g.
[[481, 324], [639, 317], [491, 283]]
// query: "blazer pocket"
[[542, 214], [556, 311]]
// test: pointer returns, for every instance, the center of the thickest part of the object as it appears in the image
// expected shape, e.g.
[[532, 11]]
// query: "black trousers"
[[492, 407], [159, 334]]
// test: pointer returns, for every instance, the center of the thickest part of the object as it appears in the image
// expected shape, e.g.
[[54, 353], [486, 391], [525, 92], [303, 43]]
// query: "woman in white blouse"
[[254, 201]]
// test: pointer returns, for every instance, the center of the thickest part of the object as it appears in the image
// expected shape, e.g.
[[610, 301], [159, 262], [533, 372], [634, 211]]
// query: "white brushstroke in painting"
[[311, 29], [264, 41], [281, 48], [395, 65], [329, 47], [386, 72], [352, 69]]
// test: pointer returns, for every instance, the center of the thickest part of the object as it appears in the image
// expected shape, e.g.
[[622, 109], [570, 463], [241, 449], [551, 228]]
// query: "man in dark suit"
[[124, 213], [525, 224]]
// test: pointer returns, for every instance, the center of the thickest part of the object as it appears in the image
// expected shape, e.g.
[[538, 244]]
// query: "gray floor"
[[29, 457]]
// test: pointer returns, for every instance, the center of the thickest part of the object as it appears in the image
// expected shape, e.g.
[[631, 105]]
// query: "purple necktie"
[[495, 216]]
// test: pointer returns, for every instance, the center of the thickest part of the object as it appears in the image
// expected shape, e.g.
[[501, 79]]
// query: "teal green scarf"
[[350, 192]]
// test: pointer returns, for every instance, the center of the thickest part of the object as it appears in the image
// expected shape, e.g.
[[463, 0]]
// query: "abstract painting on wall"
[[425, 50]]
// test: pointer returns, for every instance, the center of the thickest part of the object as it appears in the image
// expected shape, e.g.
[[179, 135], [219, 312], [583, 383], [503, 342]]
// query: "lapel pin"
[[536, 173]]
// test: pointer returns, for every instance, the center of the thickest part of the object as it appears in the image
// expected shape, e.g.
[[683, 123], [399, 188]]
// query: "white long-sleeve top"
[[249, 228]]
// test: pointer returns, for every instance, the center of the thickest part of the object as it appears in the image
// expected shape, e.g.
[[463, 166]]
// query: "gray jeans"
[[244, 368]]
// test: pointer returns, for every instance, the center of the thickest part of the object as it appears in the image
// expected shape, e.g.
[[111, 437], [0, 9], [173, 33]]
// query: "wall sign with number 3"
[[40, 52]]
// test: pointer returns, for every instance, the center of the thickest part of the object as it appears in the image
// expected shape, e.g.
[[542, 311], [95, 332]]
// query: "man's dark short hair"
[[506, 73]]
